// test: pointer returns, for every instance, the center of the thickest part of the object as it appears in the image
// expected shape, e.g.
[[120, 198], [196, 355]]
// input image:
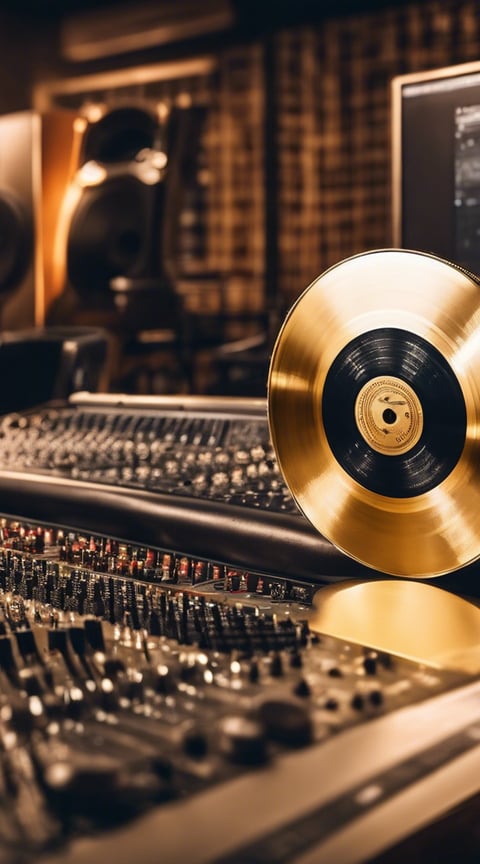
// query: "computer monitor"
[[436, 163]]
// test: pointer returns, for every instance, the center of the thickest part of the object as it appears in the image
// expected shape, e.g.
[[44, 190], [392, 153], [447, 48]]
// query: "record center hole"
[[389, 416]]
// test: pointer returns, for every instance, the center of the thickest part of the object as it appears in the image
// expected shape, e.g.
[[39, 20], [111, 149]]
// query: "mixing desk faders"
[[164, 695], [177, 708], [183, 474]]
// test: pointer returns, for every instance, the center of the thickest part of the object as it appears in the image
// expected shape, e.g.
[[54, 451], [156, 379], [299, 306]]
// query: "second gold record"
[[374, 410]]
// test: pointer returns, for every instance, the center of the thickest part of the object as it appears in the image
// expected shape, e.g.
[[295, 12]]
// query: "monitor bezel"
[[397, 85]]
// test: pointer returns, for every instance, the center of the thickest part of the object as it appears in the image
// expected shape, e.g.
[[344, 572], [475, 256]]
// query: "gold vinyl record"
[[374, 410]]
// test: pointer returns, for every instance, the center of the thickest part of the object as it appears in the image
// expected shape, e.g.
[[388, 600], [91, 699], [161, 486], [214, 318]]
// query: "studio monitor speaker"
[[119, 184], [36, 155], [117, 229]]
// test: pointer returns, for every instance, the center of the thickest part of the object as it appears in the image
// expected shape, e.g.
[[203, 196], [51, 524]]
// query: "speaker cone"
[[111, 234]]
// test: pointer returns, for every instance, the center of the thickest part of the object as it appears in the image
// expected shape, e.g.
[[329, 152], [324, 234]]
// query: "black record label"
[[394, 413]]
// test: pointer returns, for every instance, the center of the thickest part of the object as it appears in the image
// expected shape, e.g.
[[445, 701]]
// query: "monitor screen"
[[436, 163]]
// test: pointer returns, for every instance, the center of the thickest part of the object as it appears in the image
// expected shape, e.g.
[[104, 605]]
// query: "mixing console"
[[204, 454], [186, 691], [189, 476], [162, 693]]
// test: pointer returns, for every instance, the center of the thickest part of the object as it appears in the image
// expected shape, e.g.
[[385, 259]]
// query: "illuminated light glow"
[[184, 100], [235, 667], [79, 125], [91, 174], [148, 174], [159, 159], [107, 685], [9, 740], [208, 676], [6, 713], [94, 112], [369, 794], [111, 719], [76, 694], [59, 774], [204, 177], [120, 283], [162, 110], [35, 706]]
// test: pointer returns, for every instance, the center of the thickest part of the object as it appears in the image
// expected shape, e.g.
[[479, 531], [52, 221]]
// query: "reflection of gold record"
[[374, 410], [398, 616]]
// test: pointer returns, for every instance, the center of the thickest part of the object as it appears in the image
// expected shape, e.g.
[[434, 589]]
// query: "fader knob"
[[195, 743], [242, 740], [94, 634], [370, 664], [276, 665], [302, 689], [376, 697], [357, 702], [286, 722]]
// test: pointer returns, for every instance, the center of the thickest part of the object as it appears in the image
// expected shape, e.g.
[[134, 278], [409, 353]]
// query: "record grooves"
[[405, 356], [374, 410]]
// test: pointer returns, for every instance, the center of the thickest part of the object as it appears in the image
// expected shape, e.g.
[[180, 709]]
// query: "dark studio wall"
[[314, 90], [15, 63], [334, 106]]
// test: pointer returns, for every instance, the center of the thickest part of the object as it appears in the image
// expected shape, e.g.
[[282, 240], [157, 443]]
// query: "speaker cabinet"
[[113, 230], [117, 231], [36, 157]]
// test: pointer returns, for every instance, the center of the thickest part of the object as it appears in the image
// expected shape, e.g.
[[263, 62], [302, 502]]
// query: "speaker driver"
[[110, 234], [374, 410]]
